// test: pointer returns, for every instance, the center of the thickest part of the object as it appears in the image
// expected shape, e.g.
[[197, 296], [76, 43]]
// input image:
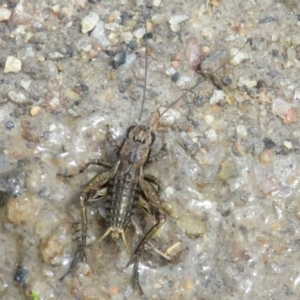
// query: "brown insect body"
[[125, 182], [124, 188]]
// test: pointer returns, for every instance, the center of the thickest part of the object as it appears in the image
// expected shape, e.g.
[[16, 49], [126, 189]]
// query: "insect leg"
[[95, 184], [160, 154], [140, 231], [112, 141], [153, 180], [97, 162], [155, 209]]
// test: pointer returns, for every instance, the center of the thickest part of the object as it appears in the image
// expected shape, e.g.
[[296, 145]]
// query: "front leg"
[[160, 154], [97, 183], [97, 162], [112, 141]]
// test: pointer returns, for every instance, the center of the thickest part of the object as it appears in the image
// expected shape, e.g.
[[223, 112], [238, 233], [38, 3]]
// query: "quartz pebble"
[[139, 33], [12, 64], [239, 56], [288, 145], [241, 130], [211, 134], [89, 22], [178, 19], [5, 13], [285, 111], [99, 34], [194, 227], [156, 3], [216, 97], [18, 98]]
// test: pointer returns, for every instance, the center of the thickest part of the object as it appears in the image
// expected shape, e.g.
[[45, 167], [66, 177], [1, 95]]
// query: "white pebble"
[[175, 27], [241, 130], [209, 119], [170, 116], [216, 97], [178, 19], [5, 13], [169, 191], [170, 71], [18, 98], [297, 95], [25, 84], [288, 145], [158, 18], [185, 82], [100, 35], [12, 64], [126, 36], [52, 127], [89, 22], [156, 3], [139, 33], [247, 82], [239, 56], [211, 134]]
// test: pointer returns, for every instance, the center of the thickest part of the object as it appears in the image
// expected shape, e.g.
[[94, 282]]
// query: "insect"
[[126, 182]]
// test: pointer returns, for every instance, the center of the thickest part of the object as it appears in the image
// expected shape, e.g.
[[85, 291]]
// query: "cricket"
[[125, 182]]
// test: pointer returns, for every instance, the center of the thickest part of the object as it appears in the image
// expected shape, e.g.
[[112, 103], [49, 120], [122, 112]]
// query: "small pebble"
[[241, 130], [18, 98], [266, 157], [185, 82], [169, 191], [12, 64], [288, 145], [170, 71], [157, 286], [156, 3], [52, 127], [194, 227], [209, 119], [169, 117], [216, 97], [175, 27], [211, 134], [175, 77], [25, 84], [89, 22], [158, 18], [10, 125], [35, 110], [178, 19], [119, 59], [139, 33], [193, 53], [5, 13], [226, 80], [239, 56], [247, 82], [99, 34], [132, 44], [228, 169]]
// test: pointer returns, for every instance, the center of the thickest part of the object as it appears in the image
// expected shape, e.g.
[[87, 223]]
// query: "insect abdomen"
[[122, 196]]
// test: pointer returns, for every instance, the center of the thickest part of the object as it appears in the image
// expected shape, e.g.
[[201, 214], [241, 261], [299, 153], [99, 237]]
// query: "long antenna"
[[145, 76], [191, 89]]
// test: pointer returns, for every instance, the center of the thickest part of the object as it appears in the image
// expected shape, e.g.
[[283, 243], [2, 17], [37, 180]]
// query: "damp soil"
[[230, 181]]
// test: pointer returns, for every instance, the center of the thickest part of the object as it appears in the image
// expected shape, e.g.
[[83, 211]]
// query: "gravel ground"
[[230, 183]]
